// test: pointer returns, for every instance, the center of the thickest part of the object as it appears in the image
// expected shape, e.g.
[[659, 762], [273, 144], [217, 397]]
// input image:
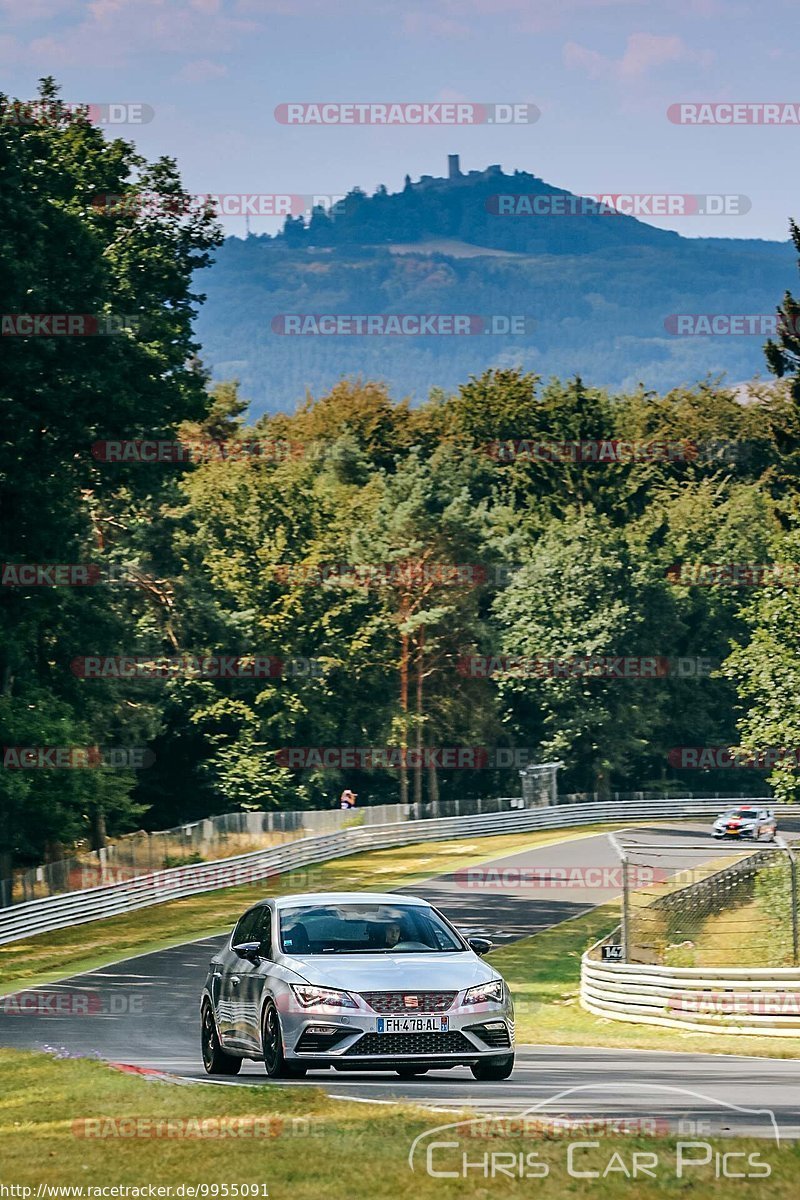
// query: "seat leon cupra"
[[355, 981]]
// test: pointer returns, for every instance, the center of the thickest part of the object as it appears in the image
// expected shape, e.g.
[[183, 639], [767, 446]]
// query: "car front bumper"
[[353, 1039]]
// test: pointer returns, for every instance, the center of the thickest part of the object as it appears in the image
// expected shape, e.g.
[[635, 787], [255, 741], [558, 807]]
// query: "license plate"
[[412, 1024]]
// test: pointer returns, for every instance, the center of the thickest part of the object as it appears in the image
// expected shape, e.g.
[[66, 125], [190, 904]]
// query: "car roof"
[[313, 898]]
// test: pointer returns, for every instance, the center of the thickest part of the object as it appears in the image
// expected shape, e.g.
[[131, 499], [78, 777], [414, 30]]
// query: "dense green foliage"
[[254, 554], [58, 394]]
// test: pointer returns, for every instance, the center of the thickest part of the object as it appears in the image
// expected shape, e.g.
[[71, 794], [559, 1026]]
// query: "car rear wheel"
[[493, 1068], [410, 1072], [275, 1062], [215, 1060]]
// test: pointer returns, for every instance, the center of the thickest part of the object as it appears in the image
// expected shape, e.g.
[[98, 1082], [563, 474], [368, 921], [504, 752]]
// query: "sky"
[[601, 73]]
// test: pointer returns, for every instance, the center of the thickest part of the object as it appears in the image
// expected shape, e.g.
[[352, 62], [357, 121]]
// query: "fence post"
[[793, 874], [626, 898]]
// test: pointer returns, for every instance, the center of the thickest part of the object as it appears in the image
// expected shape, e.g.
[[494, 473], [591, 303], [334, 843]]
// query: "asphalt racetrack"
[[145, 1012]]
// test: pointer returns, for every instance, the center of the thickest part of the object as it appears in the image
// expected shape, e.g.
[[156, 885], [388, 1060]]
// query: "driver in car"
[[394, 934]]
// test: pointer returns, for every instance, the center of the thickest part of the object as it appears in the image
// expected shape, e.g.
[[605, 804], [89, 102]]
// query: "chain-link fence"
[[737, 908]]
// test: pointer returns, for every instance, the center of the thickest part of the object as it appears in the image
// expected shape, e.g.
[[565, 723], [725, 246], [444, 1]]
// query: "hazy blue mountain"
[[596, 291]]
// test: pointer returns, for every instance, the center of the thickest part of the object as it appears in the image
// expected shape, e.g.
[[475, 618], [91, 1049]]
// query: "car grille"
[[397, 1002], [384, 1046]]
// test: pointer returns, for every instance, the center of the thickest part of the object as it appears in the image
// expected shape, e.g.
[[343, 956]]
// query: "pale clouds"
[[202, 70], [644, 53], [114, 32]]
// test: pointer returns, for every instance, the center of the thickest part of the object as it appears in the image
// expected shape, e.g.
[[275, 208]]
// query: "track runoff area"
[[144, 1011]]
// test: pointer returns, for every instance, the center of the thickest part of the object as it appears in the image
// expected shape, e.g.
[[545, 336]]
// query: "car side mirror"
[[248, 950], [480, 945]]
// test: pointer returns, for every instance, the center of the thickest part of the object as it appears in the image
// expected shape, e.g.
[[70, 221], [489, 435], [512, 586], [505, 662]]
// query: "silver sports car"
[[354, 981], [746, 822]]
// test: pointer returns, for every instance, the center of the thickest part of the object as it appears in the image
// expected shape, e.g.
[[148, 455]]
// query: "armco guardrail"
[[737, 1000], [92, 904]]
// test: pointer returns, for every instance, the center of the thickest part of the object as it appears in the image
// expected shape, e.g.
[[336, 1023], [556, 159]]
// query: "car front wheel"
[[275, 1062], [493, 1068], [215, 1060]]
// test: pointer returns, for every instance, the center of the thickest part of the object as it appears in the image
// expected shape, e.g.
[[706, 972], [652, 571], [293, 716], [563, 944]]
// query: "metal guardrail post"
[[626, 895], [793, 876]]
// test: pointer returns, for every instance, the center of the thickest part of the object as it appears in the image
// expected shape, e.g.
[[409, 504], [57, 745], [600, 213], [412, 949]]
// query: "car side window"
[[244, 931], [262, 931]]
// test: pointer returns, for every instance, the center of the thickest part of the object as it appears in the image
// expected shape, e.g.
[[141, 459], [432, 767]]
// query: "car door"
[[231, 969], [255, 977], [247, 982]]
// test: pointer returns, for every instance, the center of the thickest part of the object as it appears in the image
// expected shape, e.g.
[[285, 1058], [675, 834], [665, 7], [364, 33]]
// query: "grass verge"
[[302, 1145]]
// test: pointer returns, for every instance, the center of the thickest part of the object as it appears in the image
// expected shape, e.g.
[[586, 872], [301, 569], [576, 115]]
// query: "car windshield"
[[744, 812], [365, 929]]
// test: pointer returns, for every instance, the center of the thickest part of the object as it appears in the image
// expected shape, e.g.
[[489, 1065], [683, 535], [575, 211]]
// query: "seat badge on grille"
[[411, 1001]]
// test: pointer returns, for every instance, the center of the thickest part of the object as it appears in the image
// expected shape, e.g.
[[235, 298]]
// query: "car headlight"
[[311, 997], [484, 993]]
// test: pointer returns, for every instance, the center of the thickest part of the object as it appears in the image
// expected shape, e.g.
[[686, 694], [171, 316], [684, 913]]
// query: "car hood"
[[735, 820], [393, 972]]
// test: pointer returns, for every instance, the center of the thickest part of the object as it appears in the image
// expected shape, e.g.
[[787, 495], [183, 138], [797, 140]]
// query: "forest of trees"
[[377, 546]]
